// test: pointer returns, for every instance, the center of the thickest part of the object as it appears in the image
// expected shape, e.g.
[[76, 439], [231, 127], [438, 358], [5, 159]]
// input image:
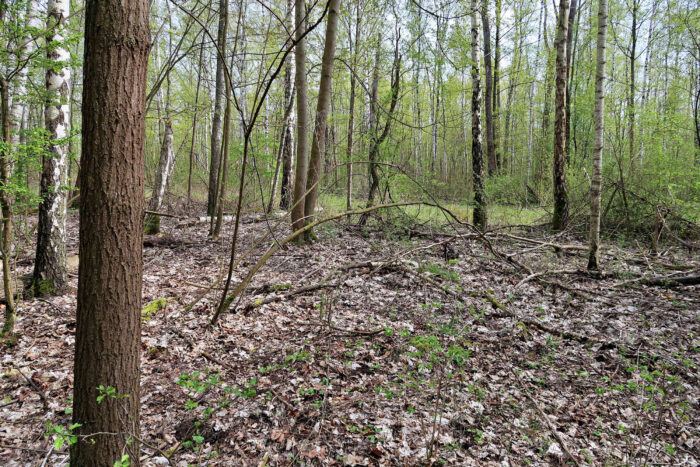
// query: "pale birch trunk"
[[219, 101], [50, 274], [165, 162], [479, 215], [560, 215], [599, 116]]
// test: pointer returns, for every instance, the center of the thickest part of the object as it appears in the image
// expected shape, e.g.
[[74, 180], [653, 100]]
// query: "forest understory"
[[398, 343]]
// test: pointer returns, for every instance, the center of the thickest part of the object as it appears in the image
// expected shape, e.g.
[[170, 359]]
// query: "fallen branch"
[[545, 419]]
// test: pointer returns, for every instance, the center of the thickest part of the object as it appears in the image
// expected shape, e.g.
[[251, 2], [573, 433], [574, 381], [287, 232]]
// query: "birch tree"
[[165, 164], [479, 214], [219, 102], [50, 274], [599, 116]]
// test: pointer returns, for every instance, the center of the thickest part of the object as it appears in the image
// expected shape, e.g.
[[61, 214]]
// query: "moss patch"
[[152, 308]]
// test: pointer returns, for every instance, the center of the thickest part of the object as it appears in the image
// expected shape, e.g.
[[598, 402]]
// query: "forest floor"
[[419, 346]]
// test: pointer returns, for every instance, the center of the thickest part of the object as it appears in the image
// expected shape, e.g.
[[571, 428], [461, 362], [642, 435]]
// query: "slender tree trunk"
[[377, 137], [632, 84], [50, 275], [530, 140], [324, 98], [108, 332], [497, 89], [219, 103], [560, 216], [288, 129], [373, 176], [194, 123], [217, 220], [302, 118], [599, 117], [569, 81], [6, 208], [488, 101], [351, 117], [479, 215], [165, 162]]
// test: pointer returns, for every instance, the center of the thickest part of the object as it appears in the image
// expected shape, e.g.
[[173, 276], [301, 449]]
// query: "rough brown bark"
[[108, 333], [324, 98], [560, 217]]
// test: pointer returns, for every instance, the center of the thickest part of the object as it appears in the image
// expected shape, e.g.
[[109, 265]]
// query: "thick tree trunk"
[[302, 118], [479, 215], [599, 116], [108, 332], [490, 143], [219, 103], [165, 163], [560, 217], [324, 98], [50, 273]]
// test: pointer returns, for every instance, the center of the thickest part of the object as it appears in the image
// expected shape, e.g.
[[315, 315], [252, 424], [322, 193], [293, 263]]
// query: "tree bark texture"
[[219, 102], [599, 115], [488, 70], [479, 214], [324, 99], [6, 209], [108, 333], [302, 117], [288, 129], [165, 163], [50, 273], [560, 216]]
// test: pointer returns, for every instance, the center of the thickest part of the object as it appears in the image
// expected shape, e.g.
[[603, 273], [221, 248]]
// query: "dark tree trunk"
[[560, 216], [288, 129], [490, 143], [479, 215], [108, 333]]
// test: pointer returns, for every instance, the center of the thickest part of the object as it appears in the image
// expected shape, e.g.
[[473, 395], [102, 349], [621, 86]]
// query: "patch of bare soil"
[[407, 347]]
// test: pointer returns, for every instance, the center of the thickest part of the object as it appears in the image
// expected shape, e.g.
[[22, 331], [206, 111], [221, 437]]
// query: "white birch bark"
[[599, 114], [165, 164], [50, 266]]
